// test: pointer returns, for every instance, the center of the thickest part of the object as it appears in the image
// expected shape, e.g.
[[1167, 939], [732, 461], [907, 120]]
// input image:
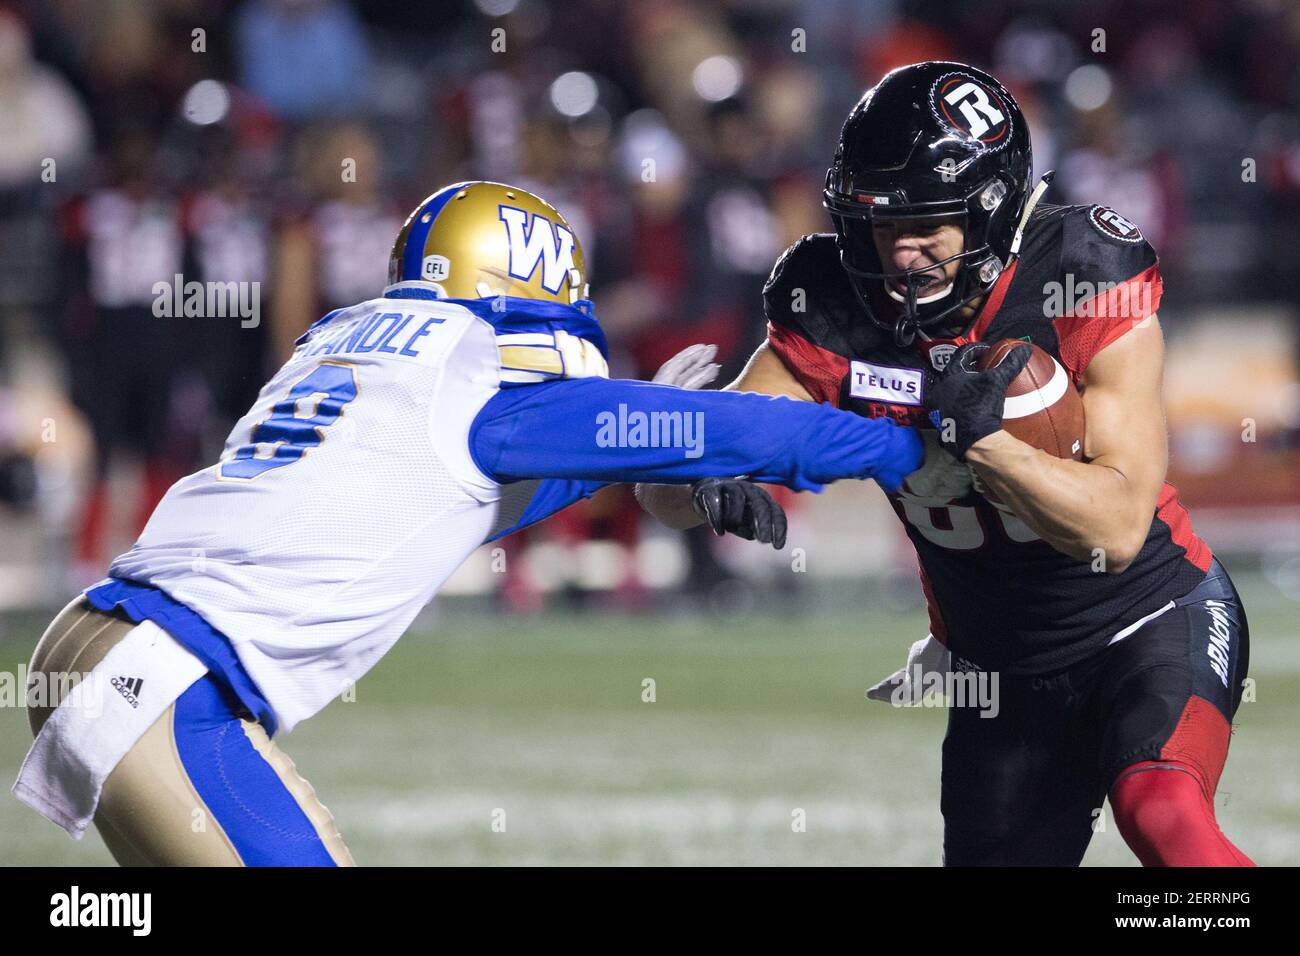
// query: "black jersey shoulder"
[[1091, 243], [809, 293], [1065, 251]]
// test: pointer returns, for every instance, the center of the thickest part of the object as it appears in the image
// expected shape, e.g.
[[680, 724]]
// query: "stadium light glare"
[[574, 93], [717, 77], [496, 8], [206, 102], [1088, 87]]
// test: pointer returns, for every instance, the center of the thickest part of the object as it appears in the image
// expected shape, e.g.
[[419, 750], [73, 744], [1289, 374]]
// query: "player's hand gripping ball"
[[1012, 385], [966, 400]]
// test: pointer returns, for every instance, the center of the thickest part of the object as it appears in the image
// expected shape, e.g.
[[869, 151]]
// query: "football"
[[1043, 408]]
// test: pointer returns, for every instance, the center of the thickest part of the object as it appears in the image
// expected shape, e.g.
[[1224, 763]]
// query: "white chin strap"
[[920, 300], [1036, 195]]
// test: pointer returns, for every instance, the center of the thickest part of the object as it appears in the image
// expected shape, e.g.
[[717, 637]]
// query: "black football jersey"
[[999, 596]]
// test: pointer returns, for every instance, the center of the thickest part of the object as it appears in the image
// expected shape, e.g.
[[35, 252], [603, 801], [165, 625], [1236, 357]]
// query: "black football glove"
[[741, 507], [967, 403]]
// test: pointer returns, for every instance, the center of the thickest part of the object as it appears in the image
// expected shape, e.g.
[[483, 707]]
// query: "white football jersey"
[[343, 499]]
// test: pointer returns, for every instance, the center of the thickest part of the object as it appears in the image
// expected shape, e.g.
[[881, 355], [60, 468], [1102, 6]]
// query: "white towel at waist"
[[99, 721]]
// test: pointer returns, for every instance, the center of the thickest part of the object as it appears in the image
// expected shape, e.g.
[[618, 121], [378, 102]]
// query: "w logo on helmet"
[[537, 241], [969, 106]]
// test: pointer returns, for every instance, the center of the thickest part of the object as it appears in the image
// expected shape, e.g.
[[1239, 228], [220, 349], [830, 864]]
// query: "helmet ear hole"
[[992, 195]]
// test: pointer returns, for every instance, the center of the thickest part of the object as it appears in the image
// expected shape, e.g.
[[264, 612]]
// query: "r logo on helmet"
[[968, 106]]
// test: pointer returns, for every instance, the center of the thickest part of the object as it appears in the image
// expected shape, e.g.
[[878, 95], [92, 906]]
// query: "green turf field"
[[755, 718]]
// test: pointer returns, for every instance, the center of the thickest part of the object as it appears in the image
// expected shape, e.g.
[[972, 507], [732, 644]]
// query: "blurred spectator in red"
[[122, 239], [228, 221]]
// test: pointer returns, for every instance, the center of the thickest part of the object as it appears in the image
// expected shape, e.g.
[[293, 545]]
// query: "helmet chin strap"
[[907, 328], [1034, 196]]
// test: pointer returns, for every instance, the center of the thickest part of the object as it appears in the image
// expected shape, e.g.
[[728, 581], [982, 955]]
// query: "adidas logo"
[[129, 687]]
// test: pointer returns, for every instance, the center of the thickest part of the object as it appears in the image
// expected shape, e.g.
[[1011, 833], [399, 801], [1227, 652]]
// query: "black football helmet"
[[930, 139]]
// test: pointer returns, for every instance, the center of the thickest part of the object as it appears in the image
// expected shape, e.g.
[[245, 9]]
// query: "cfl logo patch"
[[435, 268], [941, 355]]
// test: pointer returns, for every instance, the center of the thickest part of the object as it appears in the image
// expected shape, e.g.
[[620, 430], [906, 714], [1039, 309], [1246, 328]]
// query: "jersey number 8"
[[295, 422], [958, 527]]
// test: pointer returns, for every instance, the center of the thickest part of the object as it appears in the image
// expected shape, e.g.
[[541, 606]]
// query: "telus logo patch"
[[885, 383]]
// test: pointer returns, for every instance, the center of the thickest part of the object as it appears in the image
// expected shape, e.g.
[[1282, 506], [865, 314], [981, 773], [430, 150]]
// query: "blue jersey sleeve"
[[540, 499], [602, 430]]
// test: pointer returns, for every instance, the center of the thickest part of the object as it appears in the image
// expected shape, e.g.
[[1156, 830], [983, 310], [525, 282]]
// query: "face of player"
[[904, 244]]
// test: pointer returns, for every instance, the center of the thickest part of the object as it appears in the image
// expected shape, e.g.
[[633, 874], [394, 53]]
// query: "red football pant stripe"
[[1165, 808], [1167, 820]]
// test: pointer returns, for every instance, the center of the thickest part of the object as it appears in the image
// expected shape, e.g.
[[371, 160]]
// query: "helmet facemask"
[[930, 139], [920, 309]]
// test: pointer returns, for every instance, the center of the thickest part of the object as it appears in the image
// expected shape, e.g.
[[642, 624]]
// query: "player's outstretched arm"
[[727, 504], [673, 505], [1101, 508], [623, 431]]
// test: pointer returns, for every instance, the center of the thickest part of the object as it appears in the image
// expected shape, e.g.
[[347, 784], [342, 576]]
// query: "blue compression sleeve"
[[622, 431]]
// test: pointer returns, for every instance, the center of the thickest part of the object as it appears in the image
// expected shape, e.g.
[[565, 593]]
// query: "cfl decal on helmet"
[[1112, 225], [967, 106], [537, 241], [435, 268]]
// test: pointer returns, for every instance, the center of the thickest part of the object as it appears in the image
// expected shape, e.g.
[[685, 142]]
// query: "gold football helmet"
[[476, 240]]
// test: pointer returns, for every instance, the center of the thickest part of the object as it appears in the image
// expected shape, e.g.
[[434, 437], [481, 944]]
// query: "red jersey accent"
[[1171, 511], [1105, 317], [818, 370]]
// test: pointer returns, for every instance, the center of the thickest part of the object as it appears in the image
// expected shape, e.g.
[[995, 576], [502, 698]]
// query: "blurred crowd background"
[[282, 142]]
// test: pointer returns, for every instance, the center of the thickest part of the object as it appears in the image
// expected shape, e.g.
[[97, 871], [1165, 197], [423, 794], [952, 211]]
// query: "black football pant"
[[1026, 787]]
